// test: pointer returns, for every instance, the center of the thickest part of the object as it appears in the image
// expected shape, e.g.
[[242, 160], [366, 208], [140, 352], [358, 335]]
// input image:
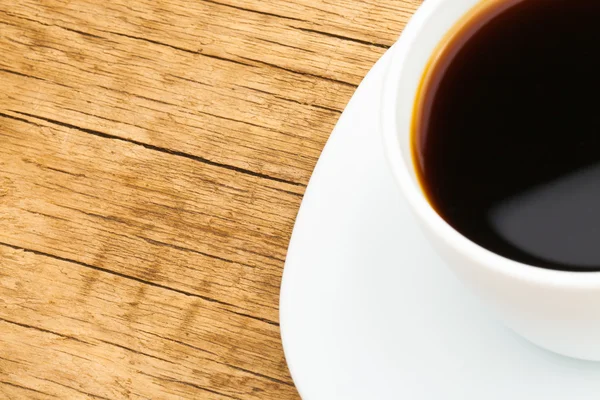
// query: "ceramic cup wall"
[[557, 310]]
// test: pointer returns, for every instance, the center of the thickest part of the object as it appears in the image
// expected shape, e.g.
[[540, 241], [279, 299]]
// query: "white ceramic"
[[557, 310], [369, 311]]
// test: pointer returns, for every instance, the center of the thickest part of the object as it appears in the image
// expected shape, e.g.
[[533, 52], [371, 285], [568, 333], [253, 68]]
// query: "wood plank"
[[210, 27], [157, 217], [269, 124], [153, 156], [124, 339]]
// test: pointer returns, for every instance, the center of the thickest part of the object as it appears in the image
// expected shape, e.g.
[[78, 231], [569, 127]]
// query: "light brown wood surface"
[[153, 156]]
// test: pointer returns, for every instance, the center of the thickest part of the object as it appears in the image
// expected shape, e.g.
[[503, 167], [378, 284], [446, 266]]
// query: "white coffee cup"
[[557, 310]]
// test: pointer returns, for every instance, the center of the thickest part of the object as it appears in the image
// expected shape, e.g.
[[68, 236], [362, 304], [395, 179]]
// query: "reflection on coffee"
[[506, 133]]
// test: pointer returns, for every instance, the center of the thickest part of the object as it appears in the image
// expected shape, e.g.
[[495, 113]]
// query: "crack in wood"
[[352, 85], [292, 100], [285, 45], [181, 343], [185, 249], [228, 306], [151, 147], [189, 384], [82, 33], [135, 351], [8, 71], [253, 11], [261, 375], [26, 388], [42, 329], [342, 37], [95, 396]]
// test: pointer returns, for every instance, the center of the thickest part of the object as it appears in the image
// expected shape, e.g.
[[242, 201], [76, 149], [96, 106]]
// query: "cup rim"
[[395, 75]]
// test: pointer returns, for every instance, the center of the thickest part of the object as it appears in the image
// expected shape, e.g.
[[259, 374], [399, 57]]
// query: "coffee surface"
[[507, 142]]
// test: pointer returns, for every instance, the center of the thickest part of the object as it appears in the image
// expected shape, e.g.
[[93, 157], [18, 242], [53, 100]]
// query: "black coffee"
[[507, 131]]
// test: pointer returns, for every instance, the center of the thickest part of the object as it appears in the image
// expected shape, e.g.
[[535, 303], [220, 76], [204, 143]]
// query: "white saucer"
[[368, 311]]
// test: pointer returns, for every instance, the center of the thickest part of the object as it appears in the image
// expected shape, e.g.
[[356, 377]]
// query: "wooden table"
[[153, 155]]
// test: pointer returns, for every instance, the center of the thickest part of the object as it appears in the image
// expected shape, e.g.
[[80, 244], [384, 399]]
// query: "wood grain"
[[153, 156]]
